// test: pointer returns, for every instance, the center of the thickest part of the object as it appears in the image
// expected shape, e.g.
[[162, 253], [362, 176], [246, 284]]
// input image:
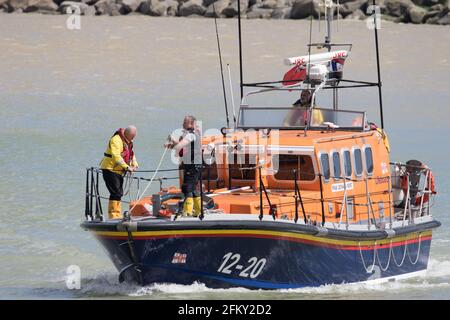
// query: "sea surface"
[[64, 92]]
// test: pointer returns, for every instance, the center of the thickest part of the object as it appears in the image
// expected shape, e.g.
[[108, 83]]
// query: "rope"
[[389, 259], [404, 255], [374, 258], [418, 252], [127, 184], [151, 180]]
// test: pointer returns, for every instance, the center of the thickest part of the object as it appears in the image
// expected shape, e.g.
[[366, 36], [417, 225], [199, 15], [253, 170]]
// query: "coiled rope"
[[404, 255], [376, 256], [127, 184], [151, 180], [389, 259], [418, 252]]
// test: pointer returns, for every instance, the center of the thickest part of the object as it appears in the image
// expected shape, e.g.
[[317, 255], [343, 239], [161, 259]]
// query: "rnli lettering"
[[337, 187], [381, 180]]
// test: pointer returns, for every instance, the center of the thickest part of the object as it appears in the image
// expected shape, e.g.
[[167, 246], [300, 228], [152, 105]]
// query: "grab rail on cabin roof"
[[94, 209], [279, 118], [274, 86]]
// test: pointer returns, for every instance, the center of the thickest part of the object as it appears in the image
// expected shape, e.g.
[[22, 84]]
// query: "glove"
[[170, 144]]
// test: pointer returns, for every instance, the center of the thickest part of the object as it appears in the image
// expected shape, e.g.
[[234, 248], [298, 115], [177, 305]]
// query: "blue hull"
[[262, 263]]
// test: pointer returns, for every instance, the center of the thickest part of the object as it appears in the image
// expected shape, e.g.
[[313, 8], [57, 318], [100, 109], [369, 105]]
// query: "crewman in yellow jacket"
[[382, 135], [118, 159], [298, 116]]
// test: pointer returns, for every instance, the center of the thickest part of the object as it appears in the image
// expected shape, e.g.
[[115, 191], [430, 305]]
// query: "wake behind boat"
[[293, 196]]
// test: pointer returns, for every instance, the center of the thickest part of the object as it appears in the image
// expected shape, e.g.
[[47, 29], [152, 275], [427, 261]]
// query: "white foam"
[[437, 277], [169, 288], [105, 285], [438, 269]]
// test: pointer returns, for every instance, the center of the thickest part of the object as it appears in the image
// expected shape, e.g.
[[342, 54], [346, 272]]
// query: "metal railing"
[[93, 198], [406, 210]]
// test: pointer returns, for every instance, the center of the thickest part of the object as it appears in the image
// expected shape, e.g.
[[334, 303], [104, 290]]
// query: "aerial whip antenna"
[[241, 84], [221, 67], [232, 96], [309, 69], [378, 63]]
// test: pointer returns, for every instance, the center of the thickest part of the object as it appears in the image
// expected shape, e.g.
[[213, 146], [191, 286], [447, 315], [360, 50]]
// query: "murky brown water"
[[62, 93]]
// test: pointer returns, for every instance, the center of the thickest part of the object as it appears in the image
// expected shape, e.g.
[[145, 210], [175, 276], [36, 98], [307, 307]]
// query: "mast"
[[378, 64]]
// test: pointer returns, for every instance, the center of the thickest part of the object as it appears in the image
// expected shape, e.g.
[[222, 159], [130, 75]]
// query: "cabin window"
[[358, 162], [325, 164], [336, 165], [243, 166], [289, 162], [369, 160], [347, 164]]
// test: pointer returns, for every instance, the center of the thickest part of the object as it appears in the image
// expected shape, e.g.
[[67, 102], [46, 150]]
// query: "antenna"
[[309, 72], [378, 64], [221, 67], [232, 96], [241, 84], [329, 13]]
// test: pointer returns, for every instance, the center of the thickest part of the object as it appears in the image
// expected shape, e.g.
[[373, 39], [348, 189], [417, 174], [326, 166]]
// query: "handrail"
[[87, 212], [201, 216], [93, 194], [262, 188], [250, 168], [321, 199], [299, 196], [92, 188]]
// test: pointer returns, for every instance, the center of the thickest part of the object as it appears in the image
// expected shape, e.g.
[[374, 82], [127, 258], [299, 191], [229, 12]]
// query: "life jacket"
[[127, 153]]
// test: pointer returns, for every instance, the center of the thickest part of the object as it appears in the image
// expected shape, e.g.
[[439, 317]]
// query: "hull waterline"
[[273, 256]]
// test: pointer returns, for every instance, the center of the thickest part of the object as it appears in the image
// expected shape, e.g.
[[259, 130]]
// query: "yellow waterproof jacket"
[[115, 162], [317, 117], [385, 139], [296, 116]]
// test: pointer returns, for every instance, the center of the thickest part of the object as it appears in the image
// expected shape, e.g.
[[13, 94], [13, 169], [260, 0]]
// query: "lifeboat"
[[286, 204]]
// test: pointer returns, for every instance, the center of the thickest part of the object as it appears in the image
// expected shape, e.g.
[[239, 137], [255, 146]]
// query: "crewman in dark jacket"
[[118, 159], [189, 149]]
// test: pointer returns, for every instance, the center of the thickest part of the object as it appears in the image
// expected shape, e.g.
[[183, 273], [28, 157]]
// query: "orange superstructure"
[[327, 155]]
